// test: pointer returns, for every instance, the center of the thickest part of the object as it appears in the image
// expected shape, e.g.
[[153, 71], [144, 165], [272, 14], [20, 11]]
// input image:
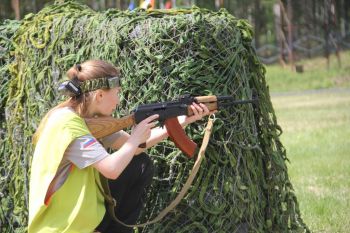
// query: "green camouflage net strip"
[[7, 46], [242, 184]]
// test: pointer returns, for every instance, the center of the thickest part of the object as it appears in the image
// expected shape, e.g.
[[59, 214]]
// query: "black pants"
[[129, 190]]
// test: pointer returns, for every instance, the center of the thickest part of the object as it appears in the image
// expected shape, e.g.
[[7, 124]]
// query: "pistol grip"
[[178, 136]]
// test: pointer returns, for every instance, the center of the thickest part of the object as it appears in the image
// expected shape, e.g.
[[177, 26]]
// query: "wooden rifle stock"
[[103, 126]]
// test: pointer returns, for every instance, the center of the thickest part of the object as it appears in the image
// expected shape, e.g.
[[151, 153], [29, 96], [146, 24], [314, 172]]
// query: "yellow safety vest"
[[78, 205]]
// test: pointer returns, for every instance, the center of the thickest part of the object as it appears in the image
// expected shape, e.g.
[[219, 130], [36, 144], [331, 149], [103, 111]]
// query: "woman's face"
[[107, 101]]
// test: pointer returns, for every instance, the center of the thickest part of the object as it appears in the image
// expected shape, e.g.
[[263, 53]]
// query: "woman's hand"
[[142, 131], [199, 111]]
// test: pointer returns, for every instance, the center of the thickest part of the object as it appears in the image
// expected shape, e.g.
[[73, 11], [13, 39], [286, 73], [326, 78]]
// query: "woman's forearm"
[[113, 165], [157, 135]]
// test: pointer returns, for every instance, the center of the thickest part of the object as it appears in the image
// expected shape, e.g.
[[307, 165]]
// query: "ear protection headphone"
[[70, 88]]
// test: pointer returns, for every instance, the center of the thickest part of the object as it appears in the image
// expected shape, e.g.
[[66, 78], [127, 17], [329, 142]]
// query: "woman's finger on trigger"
[[151, 118], [152, 124]]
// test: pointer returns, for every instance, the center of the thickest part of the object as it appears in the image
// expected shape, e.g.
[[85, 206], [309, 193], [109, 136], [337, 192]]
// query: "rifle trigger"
[[161, 123]]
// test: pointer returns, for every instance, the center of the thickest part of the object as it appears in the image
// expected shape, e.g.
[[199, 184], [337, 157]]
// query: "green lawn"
[[316, 136], [316, 75], [316, 126]]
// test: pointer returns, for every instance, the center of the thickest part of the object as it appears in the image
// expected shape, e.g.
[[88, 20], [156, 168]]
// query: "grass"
[[316, 134], [316, 75]]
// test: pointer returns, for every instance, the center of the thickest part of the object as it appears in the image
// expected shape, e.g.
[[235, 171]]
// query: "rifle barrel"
[[225, 101]]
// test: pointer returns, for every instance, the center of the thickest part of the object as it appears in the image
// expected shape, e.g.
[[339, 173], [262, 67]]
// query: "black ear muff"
[[69, 88]]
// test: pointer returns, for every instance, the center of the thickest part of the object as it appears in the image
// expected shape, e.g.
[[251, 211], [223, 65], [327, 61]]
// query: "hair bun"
[[78, 67]]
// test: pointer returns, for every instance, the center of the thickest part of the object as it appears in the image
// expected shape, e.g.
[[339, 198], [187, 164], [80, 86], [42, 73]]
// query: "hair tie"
[[78, 67]]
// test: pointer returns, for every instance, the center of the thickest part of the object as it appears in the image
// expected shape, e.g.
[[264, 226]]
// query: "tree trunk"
[[290, 33], [326, 31], [281, 36], [257, 22], [347, 15], [15, 7], [333, 13]]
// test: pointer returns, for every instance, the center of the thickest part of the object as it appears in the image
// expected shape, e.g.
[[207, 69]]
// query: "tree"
[[15, 7]]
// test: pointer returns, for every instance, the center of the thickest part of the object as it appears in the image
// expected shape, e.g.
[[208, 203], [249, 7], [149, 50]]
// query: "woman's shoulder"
[[63, 110], [61, 113], [64, 115]]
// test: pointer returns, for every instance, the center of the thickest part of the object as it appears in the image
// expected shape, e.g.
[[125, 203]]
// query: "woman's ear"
[[98, 95]]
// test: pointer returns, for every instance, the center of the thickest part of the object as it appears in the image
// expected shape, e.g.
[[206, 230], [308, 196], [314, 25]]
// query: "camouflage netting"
[[242, 184]]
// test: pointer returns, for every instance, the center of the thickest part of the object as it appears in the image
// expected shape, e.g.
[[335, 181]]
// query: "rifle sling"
[[112, 202]]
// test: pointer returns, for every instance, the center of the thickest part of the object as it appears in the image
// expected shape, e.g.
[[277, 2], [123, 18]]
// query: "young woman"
[[65, 193]]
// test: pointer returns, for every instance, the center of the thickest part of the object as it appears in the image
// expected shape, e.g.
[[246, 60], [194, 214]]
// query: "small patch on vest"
[[89, 142]]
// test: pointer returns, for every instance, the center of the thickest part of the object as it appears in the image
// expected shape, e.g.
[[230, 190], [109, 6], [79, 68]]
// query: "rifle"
[[168, 112]]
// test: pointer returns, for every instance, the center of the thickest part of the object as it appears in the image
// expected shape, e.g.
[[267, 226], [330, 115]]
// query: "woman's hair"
[[88, 70]]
